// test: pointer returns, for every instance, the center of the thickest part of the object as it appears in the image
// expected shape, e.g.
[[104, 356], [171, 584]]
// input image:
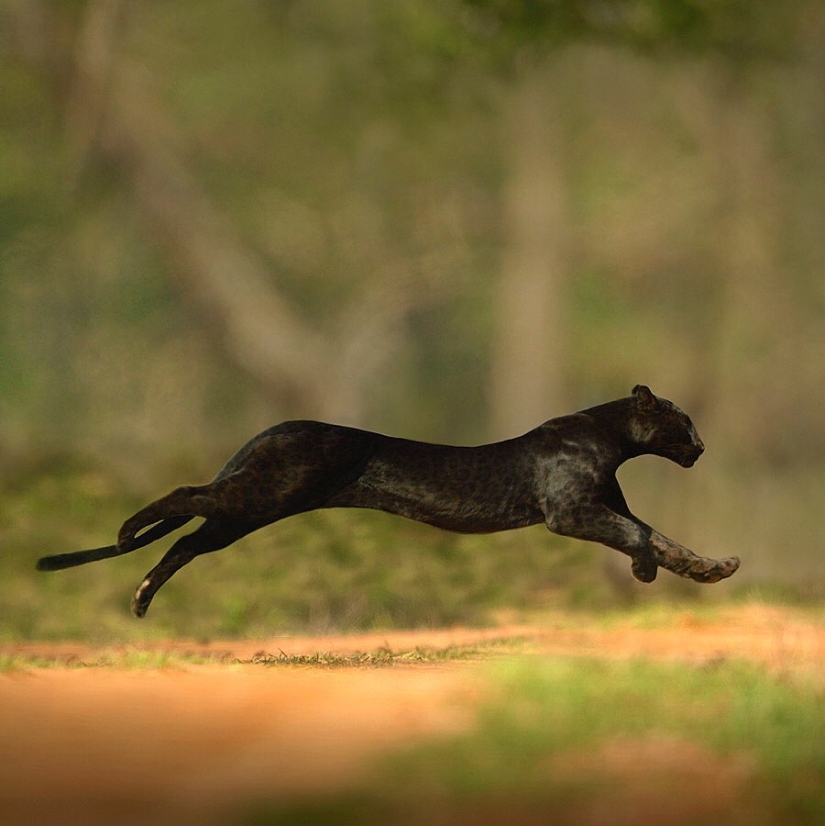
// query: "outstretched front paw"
[[718, 569]]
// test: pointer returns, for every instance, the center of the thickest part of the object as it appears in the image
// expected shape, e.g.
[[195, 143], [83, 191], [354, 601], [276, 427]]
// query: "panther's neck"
[[619, 418]]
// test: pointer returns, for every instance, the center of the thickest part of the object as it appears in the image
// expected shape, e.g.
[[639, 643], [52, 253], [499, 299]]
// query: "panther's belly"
[[468, 490], [466, 515]]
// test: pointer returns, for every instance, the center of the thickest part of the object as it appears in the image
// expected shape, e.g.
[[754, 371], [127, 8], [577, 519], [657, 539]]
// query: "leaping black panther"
[[562, 473]]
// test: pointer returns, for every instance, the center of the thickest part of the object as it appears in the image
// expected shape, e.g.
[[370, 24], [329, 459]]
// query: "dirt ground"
[[197, 743]]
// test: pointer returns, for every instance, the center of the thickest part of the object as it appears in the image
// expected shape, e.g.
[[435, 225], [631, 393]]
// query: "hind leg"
[[181, 504], [211, 536]]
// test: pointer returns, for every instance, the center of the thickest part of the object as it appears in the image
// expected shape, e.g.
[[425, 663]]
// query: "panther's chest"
[[575, 463]]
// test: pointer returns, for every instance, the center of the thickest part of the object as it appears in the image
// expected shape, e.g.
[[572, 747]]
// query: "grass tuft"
[[384, 656]]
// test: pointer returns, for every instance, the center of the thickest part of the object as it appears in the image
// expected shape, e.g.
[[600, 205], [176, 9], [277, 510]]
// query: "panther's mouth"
[[684, 455]]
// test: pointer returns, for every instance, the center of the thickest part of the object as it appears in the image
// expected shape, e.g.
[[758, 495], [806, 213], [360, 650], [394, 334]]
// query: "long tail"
[[58, 562]]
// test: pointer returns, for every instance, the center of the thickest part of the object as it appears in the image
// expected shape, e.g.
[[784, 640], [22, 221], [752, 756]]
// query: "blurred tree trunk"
[[527, 383], [222, 281]]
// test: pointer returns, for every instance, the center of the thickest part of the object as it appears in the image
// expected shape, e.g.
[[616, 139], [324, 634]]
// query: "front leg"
[[645, 546], [598, 523], [665, 552]]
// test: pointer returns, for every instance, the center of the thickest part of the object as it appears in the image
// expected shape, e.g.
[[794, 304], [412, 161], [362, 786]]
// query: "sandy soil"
[[197, 743]]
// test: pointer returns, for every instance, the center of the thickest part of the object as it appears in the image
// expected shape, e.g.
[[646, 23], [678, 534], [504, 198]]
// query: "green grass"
[[127, 659], [552, 705], [381, 657], [22, 662], [547, 709], [545, 713]]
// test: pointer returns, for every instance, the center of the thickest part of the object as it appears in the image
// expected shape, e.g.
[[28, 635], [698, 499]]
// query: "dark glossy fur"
[[562, 473]]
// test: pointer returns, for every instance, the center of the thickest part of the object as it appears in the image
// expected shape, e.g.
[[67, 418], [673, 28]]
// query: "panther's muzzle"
[[685, 455]]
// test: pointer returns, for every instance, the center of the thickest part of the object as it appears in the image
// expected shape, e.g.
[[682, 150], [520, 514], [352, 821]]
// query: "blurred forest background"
[[443, 219]]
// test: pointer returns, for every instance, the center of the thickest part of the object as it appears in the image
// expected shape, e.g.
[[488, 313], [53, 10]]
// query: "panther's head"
[[661, 428]]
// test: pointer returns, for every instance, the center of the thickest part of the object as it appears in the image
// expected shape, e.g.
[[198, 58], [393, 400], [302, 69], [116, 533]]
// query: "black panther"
[[562, 473]]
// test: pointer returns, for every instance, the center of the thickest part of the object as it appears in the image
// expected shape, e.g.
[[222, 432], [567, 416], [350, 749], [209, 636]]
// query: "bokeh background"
[[444, 219]]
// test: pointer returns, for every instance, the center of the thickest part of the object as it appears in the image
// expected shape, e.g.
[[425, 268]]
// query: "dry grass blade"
[[385, 656]]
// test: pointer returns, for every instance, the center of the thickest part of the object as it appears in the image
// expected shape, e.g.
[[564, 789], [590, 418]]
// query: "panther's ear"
[[645, 398]]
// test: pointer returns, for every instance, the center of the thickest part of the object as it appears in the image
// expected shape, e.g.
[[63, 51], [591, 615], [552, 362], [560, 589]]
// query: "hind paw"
[[141, 599]]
